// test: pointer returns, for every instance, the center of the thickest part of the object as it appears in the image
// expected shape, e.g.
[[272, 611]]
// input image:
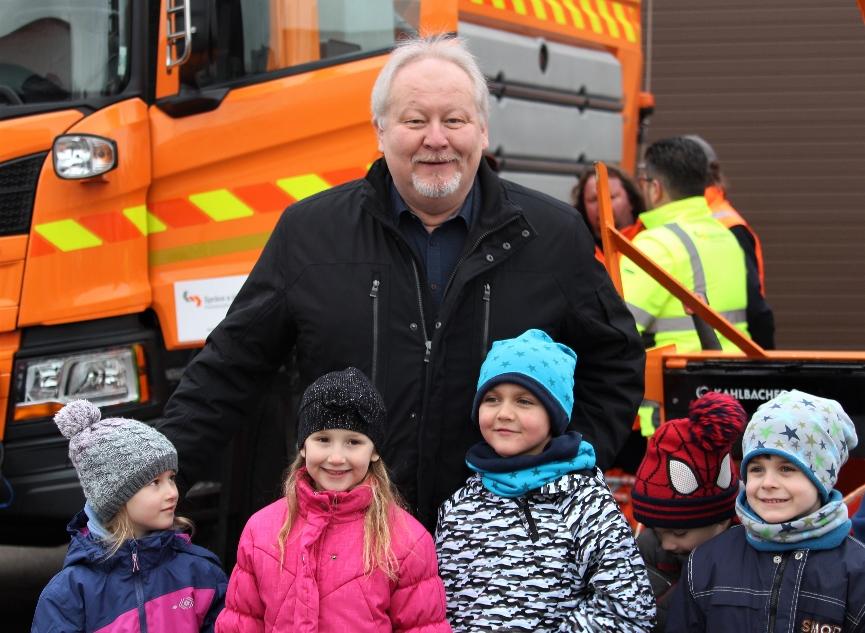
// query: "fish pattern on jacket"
[[561, 558]]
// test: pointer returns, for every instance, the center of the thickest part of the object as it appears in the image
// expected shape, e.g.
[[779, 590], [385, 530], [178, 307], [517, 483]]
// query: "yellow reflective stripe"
[[499, 4], [612, 27], [144, 220], [558, 12], [594, 20], [67, 235], [221, 205], [540, 11], [300, 187], [576, 15], [477, 1], [520, 7], [630, 32], [215, 248]]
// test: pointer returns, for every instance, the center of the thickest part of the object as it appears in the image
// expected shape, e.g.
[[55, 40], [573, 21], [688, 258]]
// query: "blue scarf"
[[95, 526], [824, 529], [515, 476]]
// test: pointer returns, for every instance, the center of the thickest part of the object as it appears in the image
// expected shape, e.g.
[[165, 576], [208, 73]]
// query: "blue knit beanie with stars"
[[535, 361], [812, 433]]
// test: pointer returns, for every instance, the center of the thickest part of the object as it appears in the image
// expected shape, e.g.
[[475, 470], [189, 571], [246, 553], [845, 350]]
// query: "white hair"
[[443, 46]]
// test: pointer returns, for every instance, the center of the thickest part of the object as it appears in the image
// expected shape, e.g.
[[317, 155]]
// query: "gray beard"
[[438, 188]]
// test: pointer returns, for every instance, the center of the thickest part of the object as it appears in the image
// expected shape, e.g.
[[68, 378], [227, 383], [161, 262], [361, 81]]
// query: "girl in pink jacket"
[[338, 553]]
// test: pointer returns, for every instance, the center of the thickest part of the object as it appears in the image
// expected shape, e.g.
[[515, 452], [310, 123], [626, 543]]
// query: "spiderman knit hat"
[[535, 361], [686, 479]]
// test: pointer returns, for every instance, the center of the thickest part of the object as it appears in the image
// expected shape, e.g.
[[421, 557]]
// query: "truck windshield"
[[63, 50]]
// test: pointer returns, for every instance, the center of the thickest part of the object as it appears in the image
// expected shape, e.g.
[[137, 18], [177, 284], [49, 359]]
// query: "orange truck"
[[147, 149]]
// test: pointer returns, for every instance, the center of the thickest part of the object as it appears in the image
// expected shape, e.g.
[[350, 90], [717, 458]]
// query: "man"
[[683, 238], [761, 320], [409, 275]]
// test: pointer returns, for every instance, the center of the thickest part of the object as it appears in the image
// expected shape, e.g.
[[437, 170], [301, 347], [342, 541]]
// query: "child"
[[337, 553], [128, 568], [685, 489], [535, 541], [791, 565]]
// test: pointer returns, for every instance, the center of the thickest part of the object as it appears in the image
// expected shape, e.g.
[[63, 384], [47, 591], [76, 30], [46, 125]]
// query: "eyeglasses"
[[642, 174]]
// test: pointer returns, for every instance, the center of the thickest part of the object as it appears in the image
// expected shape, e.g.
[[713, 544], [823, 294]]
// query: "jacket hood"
[[151, 551]]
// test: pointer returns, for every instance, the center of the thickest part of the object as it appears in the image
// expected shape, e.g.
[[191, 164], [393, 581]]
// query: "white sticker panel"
[[200, 304]]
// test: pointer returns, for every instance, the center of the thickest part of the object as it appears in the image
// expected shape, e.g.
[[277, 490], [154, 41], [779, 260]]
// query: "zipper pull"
[[373, 292], [426, 355], [135, 567], [486, 296]]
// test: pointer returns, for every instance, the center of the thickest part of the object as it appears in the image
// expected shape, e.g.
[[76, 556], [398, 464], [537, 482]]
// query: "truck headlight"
[[83, 156], [104, 377]]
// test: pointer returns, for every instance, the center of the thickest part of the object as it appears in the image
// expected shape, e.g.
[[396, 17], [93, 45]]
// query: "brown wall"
[[778, 88]]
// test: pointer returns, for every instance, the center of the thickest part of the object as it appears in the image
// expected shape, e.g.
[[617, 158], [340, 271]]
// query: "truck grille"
[[18, 180]]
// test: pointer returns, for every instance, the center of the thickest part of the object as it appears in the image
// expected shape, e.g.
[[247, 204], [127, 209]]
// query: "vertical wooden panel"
[[778, 88]]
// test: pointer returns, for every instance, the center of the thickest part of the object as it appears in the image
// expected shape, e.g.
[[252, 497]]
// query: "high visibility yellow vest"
[[684, 239]]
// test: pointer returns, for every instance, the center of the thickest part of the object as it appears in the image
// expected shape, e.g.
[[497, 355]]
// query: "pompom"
[[76, 416], [717, 420]]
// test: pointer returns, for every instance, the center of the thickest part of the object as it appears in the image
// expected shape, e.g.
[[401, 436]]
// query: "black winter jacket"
[[730, 586], [338, 281]]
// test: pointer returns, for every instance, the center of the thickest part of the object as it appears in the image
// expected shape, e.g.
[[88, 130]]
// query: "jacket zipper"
[[485, 339], [373, 292], [523, 503], [426, 339], [139, 592], [776, 590]]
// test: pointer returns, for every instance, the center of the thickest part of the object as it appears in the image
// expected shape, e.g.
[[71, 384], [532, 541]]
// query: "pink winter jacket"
[[321, 586]]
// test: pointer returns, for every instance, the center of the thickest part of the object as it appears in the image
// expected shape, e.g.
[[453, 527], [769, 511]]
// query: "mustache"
[[435, 158]]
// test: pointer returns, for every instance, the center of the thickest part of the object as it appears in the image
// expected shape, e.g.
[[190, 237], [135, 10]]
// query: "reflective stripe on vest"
[[654, 324]]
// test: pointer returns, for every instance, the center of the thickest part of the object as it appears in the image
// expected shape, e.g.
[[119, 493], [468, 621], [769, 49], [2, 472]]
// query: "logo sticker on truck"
[[200, 304]]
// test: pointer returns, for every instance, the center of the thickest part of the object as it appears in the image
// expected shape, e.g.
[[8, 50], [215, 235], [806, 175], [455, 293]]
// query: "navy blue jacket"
[[859, 522], [158, 584], [730, 586]]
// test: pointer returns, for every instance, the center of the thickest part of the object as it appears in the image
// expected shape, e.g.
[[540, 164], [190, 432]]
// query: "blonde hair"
[[377, 551], [120, 530]]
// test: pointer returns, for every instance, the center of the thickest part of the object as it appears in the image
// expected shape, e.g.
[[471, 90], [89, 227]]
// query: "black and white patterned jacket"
[[561, 558]]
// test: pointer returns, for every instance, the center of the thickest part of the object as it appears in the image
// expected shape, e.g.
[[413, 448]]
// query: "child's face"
[[684, 541], [778, 491], [337, 459], [513, 421], [152, 508]]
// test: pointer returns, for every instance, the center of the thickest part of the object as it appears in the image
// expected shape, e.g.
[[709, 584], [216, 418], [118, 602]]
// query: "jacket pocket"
[[736, 609], [819, 613]]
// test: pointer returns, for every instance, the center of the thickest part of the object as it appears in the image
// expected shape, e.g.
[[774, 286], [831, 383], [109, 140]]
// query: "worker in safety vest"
[[683, 238], [761, 320]]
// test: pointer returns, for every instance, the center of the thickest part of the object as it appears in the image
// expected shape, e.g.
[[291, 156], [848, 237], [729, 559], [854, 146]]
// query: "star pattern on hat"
[[815, 432], [790, 433]]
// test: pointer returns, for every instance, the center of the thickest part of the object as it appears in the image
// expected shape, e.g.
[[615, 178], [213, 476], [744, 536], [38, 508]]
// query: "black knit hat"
[[342, 400]]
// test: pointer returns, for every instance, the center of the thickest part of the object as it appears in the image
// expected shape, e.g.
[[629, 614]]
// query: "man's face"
[[432, 136]]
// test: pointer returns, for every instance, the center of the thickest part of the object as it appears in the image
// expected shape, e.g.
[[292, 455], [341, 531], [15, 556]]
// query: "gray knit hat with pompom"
[[114, 457]]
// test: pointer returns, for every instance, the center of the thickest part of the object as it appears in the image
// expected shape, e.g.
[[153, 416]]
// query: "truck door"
[[271, 106]]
